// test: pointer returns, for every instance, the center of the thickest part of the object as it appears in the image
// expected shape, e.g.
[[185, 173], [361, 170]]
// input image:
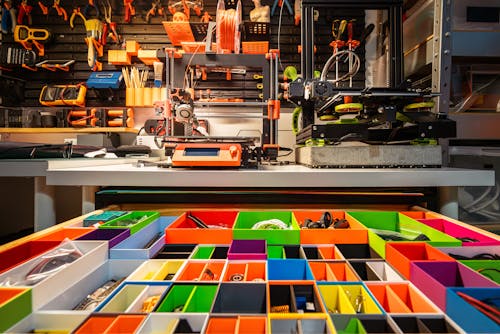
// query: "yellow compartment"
[[368, 305], [169, 267], [335, 299]]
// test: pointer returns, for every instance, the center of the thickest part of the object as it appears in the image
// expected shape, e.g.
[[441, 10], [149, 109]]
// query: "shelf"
[[68, 130]]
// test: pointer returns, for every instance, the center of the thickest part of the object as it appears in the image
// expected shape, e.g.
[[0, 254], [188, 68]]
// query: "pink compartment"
[[459, 231]]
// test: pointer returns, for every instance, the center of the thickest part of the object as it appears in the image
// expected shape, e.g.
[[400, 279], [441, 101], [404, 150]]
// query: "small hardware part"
[[92, 300], [280, 309], [236, 277]]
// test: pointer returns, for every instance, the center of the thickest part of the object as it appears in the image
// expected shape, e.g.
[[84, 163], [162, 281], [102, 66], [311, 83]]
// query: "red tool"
[[24, 11], [109, 29], [45, 9], [60, 10], [156, 8], [129, 10], [489, 311]]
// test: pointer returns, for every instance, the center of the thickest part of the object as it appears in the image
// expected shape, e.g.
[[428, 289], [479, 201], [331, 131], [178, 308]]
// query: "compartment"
[[478, 253], [185, 228], [475, 321], [173, 323], [93, 253], [23, 252], [298, 324], [208, 271], [222, 325], [63, 233], [386, 226], [377, 325], [433, 279], [188, 298], [332, 271], [363, 323], [294, 298], [355, 233], [202, 252], [275, 252], [424, 324], [329, 253], [288, 270], [149, 298], [357, 251], [51, 322], [95, 324], [89, 291], [373, 270], [467, 235], [335, 299], [101, 218], [156, 270], [237, 271], [246, 220], [348, 325], [15, 304], [120, 300], [133, 221], [311, 252], [361, 299], [401, 255], [247, 250], [293, 252], [125, 324], [112, 236], [145, 243], [252, 325], [220, 252], [488, 268], [401, 298], [240, 298], [175, 251]]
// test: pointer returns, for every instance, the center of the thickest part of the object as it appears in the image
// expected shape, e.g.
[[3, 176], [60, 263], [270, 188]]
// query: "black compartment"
[[411, 325], [280, 296], [183, 327], [438, 325], [180, 251], [364, 271], [240, 298], [376, 326], [306, 291], [357, 251], [292, 252], [311, 253], [220, 252]]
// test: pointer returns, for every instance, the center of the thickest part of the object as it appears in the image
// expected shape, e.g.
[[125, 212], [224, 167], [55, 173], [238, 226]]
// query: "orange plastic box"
[[203, 271], [185, 231], [95, 324], [332, 271], [240, 271], [401, 254], [125, 324], [401, 298], [70, 233], [222, 325], [355, 234]]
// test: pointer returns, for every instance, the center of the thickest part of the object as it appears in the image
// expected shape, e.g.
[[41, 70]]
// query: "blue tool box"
[[105, 80]]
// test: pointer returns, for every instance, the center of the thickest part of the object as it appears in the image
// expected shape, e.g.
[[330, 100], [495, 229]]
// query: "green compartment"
[[141, 218], [15, 304], [176, 297], [201, 299], [398, 222], [487, 268], [275, 252], [245, 220], [354, 326], [203, 252]]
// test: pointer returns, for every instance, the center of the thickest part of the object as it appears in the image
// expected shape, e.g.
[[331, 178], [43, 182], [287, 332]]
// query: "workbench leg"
[[45, 209], [88, 198], [448, 201]]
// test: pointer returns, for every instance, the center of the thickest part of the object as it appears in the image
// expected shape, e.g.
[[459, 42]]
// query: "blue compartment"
[[288, 270], [134, 246], [468, 317]]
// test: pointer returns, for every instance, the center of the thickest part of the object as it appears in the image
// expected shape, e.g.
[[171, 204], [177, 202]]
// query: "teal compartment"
[[405, 226], [201, 299], [289, 270], [245, 220], [203, 252], [176, 298], [134, 221]]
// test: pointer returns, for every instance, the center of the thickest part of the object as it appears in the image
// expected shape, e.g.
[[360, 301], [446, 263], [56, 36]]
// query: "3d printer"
[[355, 119]]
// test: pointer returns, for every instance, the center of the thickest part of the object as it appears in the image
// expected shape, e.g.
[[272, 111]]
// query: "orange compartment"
[[401, 298], [70, 233], [332, 271], [16, 255], [125, 324], [234, 268], [330, 253], [201, 271], [252, 325], [420, 214], [94, 325], [401, 254], [184, 231], [215, 268], [355, 234], [388, 301], [221, 325], [256, 271]]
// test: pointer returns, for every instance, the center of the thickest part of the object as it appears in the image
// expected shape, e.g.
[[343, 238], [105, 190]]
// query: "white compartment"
[[121, 300], [70, 298], [94, 254], [156, 270], [150, 291], [384, 271], [165, 323], [58, 321]]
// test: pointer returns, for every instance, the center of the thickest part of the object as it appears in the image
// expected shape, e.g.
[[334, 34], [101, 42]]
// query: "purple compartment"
[[433, 278], [247, 250], [112, 236]]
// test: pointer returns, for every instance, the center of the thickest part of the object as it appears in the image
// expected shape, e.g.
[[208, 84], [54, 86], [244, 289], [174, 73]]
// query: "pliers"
[[76, 12], [113, 34], [156, 7], [24, 11], [60, 10]]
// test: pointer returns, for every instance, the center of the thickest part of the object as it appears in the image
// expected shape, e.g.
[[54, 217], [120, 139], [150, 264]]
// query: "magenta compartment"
[[457, 231], [247, 250], [112, 236], [433, 279]]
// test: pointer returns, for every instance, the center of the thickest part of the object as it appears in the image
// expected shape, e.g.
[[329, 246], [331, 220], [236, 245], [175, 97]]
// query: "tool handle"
[[349, 31], [342, 26]]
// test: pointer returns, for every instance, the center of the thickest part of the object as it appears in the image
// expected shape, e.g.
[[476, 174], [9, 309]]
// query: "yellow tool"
[[28, 37], [94, 28]]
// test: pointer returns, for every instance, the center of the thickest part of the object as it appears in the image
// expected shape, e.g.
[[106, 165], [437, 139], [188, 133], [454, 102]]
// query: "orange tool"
[[60, 10], [129, 10], [24, 11]]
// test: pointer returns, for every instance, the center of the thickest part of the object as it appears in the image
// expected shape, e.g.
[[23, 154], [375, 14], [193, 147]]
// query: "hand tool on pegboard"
[[129, 10], [186, 5], [9, 18], [94, 31], [29, 37], [109, 28], [91, 10], [156, 8], [280, 3], [24, 12], [338, 27]]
